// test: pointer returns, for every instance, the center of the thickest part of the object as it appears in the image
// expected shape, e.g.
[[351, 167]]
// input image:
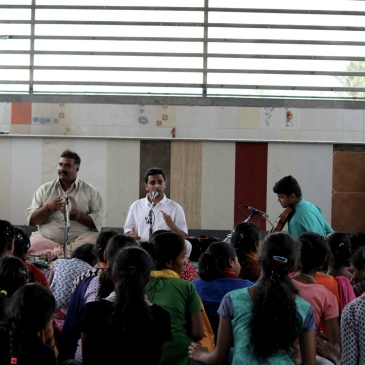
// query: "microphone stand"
[[66, 227], [250, 216], [150, 216], [150, 213]]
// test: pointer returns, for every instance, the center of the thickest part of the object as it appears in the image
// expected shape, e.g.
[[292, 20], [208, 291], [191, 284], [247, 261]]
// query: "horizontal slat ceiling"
[[304, 51]]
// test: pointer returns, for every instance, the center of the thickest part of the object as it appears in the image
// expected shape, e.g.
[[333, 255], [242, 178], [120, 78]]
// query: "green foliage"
[[354, 81]]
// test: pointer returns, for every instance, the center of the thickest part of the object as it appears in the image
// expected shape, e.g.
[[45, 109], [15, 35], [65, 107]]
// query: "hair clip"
[[9, 233], [279, 260], [4, 292]]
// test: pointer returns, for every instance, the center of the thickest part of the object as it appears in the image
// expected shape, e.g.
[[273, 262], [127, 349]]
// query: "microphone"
[[154, 195], [256, 211], [67, 211]]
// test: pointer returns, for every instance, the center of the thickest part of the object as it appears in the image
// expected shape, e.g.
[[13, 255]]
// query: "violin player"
[[304, 216]]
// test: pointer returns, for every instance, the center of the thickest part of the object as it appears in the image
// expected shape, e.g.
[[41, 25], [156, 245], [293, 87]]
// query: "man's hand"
[[56, 204], [170, 223]]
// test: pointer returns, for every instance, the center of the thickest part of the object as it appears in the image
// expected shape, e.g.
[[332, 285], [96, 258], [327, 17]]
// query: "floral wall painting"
[[289, 115], [268, 111]]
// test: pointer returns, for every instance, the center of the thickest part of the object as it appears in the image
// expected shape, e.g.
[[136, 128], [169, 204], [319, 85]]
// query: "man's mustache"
[[62, 172]]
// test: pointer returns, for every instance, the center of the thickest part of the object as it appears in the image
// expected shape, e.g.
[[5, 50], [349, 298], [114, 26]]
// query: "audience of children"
[[218, 274], [340, 246], [64, 271], [90, 289], [265, 320], [172, 311], [101, 265], [358, 271], [7, 234], [179, 297], [313, 254], [125, 323], [28, 311], [13, 275], [189, 272], [100, 287], [21, 246], [352, 334], [245, 239]]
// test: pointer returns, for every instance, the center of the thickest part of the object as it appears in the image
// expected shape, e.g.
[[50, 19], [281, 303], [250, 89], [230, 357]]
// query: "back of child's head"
[[13, 274], [275, 323], [164, 247], [340, 246], [115, 244], [358, 258], [159, 231], [278, 254], [215, 260], [356, 240], [131, 271], [29, 310], [85, 252], [132, 263], [314, 251], [32, 306], [245, 237], [7, 234], [21, 243], [102, 241]]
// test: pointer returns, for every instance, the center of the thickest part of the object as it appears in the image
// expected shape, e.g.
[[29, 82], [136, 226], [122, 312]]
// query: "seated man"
[[155, 211], [50, 205]]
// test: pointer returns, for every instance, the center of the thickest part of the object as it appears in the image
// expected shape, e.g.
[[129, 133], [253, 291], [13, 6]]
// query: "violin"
[[283, 218]]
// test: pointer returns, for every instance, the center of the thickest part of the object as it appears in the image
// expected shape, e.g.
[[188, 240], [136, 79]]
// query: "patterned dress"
[[353, 333]]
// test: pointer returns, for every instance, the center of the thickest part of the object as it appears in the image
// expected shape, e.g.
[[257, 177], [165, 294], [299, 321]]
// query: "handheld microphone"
[[256, 211], [67, 211]]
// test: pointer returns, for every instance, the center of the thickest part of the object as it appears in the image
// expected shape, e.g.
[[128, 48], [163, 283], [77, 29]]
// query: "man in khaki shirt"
[[47, 210]]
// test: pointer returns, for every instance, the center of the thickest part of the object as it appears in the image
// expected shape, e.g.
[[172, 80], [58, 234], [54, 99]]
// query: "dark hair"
[[275, 322], [21, 243], [159, 231], [131, 270], [73, 155], [245, 238], [358, 258], [7, 234], [13, 274], [29, 310], [85, 252], [314, 251], [115, 244], [356, 240], [215, 259], [153, 171], [102, 241], [340, 246], [163, 248], [287, 185]]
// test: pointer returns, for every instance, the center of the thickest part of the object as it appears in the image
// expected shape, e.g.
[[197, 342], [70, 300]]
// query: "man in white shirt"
[[155, 211]]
